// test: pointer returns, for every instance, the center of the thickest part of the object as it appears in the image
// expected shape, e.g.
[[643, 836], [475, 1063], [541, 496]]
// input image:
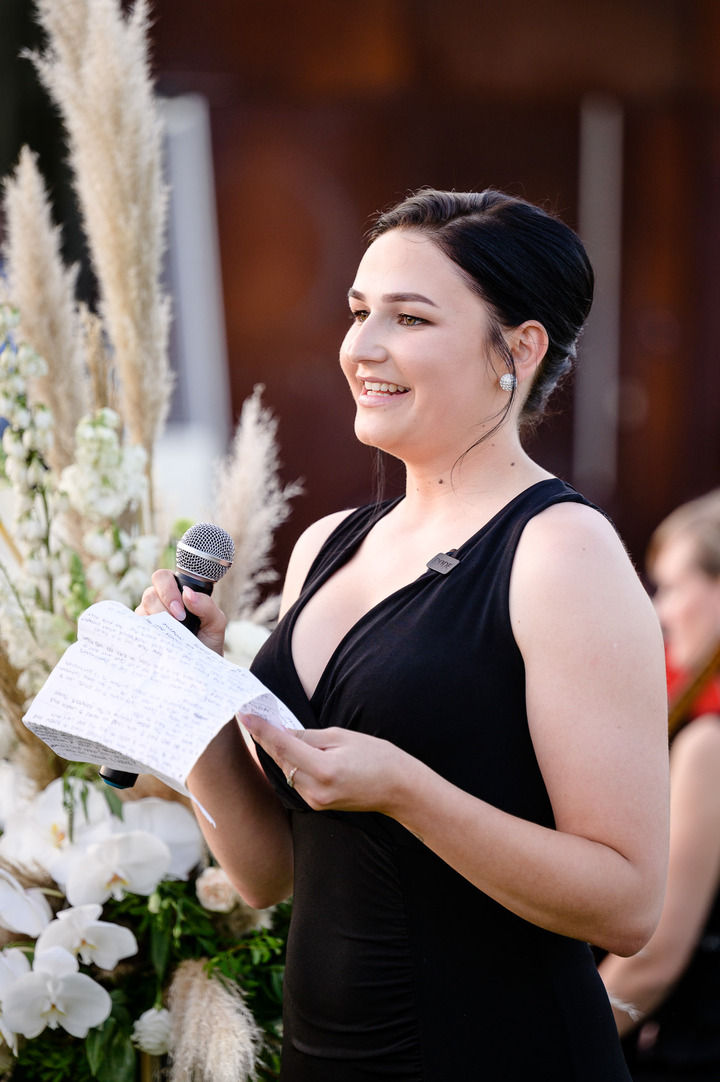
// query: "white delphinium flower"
[[106, 478], [132, 585], [18, 606], [174, 824], [145, 551], [25, 911], [99, 544], [151, 1032], [55, 994], [13, 964], [80, 931], [25, 439], [123, 863]]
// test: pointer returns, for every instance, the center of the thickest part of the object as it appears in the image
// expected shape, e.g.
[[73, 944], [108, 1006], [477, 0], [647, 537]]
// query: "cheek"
[[691, 624]]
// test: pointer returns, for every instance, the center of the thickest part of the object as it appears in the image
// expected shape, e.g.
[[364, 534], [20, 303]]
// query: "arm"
[[252, 839], [645, 980], [597, 713]]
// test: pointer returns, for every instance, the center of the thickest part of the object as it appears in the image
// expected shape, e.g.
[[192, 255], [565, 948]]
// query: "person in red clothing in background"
[[666, 999]]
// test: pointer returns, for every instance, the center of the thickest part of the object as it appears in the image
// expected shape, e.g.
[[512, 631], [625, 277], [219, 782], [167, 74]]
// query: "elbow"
[[265, 896], [633, 927], [627, 941]]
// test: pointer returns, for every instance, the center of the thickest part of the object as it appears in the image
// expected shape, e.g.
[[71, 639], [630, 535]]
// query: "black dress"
[[398, 968]]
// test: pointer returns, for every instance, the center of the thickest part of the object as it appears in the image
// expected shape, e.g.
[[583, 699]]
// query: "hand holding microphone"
[[204, 554]]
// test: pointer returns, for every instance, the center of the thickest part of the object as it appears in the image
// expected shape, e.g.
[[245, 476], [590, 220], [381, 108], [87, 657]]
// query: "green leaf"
[[96, 1043], [118, 1065], [160, 938], [276, 981], [114, 802]]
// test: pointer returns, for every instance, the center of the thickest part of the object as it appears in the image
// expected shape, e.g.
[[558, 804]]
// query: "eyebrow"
[[394, 298]]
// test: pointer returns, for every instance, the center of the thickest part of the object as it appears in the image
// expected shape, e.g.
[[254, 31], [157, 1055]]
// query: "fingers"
[[287, 747], [164, 596], [308, 760], [212, 619]]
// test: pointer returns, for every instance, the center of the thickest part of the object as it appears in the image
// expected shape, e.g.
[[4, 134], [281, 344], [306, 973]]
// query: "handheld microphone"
[[204, 554]]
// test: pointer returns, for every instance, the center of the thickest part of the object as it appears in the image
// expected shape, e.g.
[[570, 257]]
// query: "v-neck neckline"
[[345, 555]]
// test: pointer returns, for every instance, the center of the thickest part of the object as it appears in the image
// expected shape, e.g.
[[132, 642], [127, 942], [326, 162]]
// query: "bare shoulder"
[[571, 530], [580, 612], [571, 555], [306, 549]]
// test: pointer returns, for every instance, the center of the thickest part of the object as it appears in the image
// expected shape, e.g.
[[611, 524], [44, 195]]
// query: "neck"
[[489, 475]]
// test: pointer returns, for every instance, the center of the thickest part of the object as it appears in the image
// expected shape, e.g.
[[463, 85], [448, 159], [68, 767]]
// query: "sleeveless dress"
[[397, 967]]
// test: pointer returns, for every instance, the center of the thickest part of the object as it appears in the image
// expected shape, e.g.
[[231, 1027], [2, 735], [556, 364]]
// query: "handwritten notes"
[[141, 693]]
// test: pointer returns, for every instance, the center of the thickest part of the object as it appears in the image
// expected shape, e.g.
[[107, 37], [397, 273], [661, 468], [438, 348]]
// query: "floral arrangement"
[[125, 952]]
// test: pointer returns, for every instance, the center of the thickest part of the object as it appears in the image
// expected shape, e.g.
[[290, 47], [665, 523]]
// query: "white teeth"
[[384, 388]]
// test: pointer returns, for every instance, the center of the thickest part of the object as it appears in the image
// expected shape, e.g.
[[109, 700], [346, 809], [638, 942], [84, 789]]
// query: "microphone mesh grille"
[[212, 543]]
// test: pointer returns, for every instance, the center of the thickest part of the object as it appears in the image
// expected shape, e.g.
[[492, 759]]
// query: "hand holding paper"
[[141, 693]]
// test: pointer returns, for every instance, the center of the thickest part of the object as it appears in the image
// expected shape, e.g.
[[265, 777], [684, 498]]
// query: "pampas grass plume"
[[250, 503], [214, 1036], [96, 70], [44, 291]]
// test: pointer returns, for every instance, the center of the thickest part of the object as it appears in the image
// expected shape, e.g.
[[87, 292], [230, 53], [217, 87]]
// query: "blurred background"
[[290, 123]]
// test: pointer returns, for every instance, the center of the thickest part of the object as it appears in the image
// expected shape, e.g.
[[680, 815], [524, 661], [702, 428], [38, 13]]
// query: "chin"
[[685, 656]]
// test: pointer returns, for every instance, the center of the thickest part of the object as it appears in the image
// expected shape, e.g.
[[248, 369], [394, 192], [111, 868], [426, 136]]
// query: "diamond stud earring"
[[508, 382]]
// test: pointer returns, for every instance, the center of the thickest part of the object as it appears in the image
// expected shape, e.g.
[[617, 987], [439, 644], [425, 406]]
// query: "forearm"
[[251, 840], [636, 987], [563, 882]]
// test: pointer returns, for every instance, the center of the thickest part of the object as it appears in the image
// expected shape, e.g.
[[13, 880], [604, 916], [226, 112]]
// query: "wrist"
[[407, 795]]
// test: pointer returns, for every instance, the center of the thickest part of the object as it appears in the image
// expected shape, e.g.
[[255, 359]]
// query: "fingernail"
[[189, 594], [177, 610]]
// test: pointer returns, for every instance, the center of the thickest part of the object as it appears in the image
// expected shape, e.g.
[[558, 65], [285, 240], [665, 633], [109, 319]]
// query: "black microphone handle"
[[123, 779], [202, 586]]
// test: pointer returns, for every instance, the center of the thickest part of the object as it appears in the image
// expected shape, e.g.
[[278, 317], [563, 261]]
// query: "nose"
[[363, 344]]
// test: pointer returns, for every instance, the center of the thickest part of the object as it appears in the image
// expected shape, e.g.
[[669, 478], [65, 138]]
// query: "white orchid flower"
[[40, 833], [123, 863], [13, 964], [174, 824], [80, 931], [25, 911], [55, 994]]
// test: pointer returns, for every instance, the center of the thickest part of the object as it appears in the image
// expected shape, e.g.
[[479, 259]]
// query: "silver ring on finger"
[[290, 778]]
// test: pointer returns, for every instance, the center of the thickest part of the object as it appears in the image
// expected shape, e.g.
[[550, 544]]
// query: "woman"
[[667, 999], [480, 788]]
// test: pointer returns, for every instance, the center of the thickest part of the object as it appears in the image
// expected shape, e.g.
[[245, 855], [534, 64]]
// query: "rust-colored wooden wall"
[[323, 112]]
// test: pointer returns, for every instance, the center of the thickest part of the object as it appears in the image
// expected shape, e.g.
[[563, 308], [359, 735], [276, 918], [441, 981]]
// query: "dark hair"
[[522, 261]]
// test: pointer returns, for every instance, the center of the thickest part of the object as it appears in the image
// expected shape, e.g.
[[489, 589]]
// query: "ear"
[[529, 343]]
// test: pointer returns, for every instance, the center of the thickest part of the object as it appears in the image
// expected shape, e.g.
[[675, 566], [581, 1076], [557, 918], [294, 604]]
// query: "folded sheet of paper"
[[142, 694]]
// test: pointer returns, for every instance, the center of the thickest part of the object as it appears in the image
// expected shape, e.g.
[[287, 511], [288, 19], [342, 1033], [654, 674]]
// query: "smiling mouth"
[[383, 388]]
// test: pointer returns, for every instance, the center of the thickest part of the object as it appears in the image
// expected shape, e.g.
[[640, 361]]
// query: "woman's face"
[[687, 602], [416, 356]]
